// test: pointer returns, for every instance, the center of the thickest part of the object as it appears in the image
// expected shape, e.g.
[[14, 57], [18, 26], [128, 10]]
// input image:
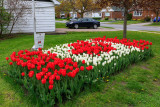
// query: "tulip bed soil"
[[138, 85]]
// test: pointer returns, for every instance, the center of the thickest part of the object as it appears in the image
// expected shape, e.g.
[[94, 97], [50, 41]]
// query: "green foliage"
[[129, 16], [68, 18], [97, 18], [106, 18], [147, 19]]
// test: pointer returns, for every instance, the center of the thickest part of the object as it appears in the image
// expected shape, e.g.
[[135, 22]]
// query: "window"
[[99, 14], [107, 14], [122, 13], [137, 13]]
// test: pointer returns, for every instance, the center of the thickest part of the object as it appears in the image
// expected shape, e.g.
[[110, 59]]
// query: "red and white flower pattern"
[[68, 60]]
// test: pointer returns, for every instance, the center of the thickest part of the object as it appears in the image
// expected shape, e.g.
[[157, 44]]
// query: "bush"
[[97, 18], [68, 18], [106, 18], [129, 16], [5, 19], [147, 19], [134, 19]]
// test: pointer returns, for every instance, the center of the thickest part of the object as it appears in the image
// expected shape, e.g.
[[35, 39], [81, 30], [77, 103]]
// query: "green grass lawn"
[[105, 20], [154, 24], [138, 85], [61, 20], [60, 25], [128, 22], [151, 31], [107, 27]]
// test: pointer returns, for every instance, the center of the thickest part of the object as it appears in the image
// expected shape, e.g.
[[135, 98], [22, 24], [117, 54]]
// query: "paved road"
[[132, 27]]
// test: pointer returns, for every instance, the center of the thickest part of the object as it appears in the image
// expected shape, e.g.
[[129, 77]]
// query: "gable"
[[54, 1]]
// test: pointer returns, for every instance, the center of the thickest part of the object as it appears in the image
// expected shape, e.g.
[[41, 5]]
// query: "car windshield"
[[73, 19], [86, 19], [80, 19]]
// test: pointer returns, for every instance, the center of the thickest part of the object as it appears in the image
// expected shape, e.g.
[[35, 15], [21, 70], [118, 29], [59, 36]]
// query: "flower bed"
[[60, 72]]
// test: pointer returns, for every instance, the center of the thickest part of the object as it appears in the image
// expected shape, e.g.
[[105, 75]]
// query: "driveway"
[[132, 27], [63, 30]]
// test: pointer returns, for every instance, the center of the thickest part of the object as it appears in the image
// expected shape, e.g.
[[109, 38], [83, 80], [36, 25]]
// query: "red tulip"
[[82, 68], [71, 68], [73, 74], [51, 82], [75, 65], [52, 77], [38, 76], [43, 81], [57, 77], [38, 67], [11, 63], [50, 87], [7, 58], [49, 74], [83, 62], [23, 74], [63, 72], [31, 73]]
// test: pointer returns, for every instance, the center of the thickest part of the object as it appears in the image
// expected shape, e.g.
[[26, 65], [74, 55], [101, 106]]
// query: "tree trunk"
[[68, 16], [157, 13], [125, 23], [81, 15]]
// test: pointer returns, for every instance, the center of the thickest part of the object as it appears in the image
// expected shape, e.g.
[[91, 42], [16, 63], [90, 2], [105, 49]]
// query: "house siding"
[[150, 14], [45, 18]]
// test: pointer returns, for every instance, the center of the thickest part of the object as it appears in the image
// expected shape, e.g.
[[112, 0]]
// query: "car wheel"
[[95, 26], [76, 26]]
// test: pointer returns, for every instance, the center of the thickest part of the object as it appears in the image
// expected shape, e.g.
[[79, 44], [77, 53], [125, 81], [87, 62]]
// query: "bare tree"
[[153, 5], [15, 10], [65, 7], [82, 6]]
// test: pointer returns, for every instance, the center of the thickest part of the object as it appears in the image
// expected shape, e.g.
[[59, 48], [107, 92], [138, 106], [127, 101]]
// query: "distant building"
[[113, 13]]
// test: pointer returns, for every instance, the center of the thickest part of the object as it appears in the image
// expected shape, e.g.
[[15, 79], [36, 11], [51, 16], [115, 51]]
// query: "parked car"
[[83, 22], [74, 19], [154, 20]]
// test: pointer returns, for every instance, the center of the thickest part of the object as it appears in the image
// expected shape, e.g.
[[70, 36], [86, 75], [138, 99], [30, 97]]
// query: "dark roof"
[[41, 0]]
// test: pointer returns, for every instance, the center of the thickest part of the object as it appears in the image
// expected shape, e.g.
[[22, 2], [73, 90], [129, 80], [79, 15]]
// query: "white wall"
[[96, 14], [45, 18], [88, 14]]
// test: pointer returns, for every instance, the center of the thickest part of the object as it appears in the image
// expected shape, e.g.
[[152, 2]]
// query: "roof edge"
[[56, 2]]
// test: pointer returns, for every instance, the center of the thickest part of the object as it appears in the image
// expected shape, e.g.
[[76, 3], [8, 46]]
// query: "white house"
[[45, 17]]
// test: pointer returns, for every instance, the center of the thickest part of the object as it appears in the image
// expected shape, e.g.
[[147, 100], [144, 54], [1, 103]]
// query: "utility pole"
[[34, 22]]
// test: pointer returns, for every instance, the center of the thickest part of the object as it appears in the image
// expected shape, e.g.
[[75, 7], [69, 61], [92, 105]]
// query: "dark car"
[[154, 20], [83, 22], [73, 19]]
